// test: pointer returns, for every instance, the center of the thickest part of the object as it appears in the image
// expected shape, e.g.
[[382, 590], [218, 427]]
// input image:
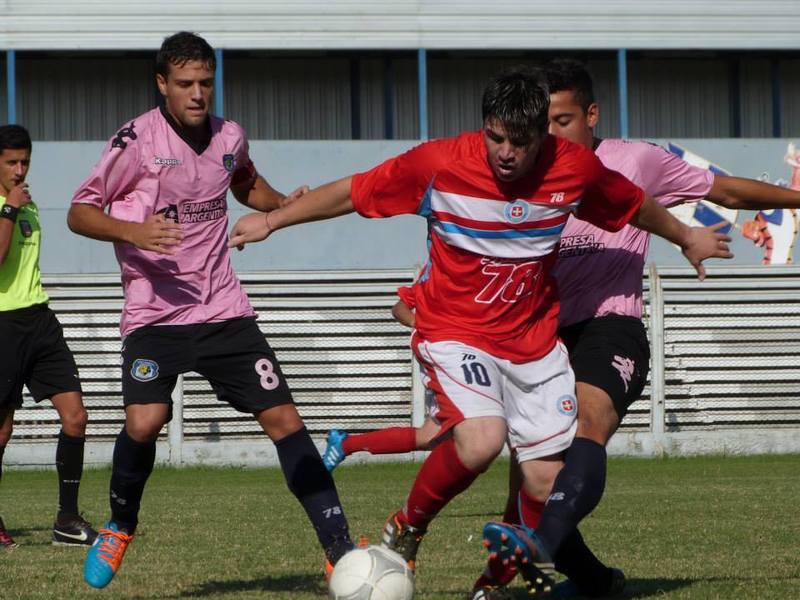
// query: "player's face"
[[509, 159], [14, 165], [187, 91], [568, 119]]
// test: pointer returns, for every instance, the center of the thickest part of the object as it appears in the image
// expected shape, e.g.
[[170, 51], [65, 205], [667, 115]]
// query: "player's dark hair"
[[519, 99], [570, 75], [182, 47], [15, 137]]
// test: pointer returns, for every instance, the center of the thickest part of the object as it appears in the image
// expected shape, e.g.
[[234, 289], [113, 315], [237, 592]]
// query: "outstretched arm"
[[325, 202], [258, 194], [749, 194], [696, 243]]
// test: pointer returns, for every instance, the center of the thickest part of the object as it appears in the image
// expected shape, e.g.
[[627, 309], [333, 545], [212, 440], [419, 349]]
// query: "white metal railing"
[[724, 374]]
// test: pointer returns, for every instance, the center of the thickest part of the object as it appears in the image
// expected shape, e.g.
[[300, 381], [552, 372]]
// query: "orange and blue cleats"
[[334, 453], [105, 556], [491, 585], [363, 542], [519, 545]]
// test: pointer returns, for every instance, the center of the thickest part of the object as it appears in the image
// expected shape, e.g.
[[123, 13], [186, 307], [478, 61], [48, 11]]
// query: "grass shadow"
[[284, 583]]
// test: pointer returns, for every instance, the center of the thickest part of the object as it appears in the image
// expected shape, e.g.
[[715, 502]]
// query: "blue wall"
[[345, 243]]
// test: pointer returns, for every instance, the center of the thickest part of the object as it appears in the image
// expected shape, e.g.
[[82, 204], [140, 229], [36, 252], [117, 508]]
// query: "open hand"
[[706, 242], [157, 235]]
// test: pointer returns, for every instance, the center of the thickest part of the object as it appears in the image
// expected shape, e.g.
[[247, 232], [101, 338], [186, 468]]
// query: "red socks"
[[392, 440], [441, 478], [530, 510]]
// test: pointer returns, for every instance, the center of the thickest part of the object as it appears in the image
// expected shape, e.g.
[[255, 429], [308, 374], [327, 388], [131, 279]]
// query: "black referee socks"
[[69, 465]]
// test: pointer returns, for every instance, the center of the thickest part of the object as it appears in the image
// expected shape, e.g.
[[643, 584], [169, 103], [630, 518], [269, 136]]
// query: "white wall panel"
[[444, 24]]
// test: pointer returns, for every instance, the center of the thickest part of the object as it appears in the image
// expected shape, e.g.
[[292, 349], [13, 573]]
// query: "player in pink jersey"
[[599, 277], [159, 193], [486, 313]]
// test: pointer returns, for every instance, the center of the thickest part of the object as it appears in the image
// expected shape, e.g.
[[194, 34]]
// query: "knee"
[[477, 454], [143, 431], [280, 421], [74, 422]]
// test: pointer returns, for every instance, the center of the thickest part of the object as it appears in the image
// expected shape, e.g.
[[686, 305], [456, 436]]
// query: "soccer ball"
[[371, 573]]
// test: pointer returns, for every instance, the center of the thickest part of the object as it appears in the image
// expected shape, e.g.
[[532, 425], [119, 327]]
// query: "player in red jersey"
[[486, 312]]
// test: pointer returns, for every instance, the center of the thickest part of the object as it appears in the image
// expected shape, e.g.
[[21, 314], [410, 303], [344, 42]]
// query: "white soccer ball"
[[371, 573]]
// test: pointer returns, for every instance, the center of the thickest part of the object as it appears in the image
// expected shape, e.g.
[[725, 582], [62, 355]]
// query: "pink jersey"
[[600, 273], [492, 244], [149, 168]]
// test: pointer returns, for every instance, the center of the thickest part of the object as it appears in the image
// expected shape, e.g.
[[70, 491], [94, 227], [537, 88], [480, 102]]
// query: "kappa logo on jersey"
[[510, 282], [228, 162], [567, 405], [625, 366], [167, 162], [125, 132], [144, 369], [517, 211], [170, 213]]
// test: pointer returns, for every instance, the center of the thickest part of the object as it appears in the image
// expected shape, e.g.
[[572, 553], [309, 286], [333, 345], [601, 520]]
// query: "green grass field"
[[680, 528]]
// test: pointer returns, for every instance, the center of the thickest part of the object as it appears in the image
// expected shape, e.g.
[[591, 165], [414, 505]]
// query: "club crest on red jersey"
[[517, 211], [567, 405]]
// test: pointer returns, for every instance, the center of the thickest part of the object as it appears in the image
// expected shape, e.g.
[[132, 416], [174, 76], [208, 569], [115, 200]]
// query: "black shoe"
[[6, 541], [402, 538], [73, 530]]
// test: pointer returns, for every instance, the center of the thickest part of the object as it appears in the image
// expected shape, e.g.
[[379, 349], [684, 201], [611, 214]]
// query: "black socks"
[[69, 465], [309, 480], [133, 463]]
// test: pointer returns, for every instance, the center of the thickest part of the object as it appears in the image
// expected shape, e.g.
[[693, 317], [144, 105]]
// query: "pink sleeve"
[[670, 179], [245, 169], [397, 186], [610, 200], [113, 176]]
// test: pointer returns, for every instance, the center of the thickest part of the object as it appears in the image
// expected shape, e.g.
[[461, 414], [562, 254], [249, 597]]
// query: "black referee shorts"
[[232, 355], [611, 353], [33, 352]]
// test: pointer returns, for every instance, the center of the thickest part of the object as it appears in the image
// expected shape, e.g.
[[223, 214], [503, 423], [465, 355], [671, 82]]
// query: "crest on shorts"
[[227, 162], [144, 369], [567, 405], [517, 211]]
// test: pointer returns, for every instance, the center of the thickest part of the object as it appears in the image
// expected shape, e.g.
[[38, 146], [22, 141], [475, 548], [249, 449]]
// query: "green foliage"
[[680, 528]]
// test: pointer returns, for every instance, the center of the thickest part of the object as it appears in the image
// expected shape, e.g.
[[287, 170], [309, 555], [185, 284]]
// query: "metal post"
[[657, 395], [219, 83], [422, 80], [175, 427], [11, 86], [622, 81]]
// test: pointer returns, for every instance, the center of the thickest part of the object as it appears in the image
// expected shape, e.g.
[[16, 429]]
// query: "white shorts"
[[537, 399]]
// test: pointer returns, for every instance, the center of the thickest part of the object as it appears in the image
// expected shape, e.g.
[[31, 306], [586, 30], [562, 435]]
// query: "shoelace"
[[113, 546]]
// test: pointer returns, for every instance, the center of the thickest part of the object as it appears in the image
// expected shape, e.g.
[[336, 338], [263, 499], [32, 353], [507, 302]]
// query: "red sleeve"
[[397, 186], [609, 199], [407, 295], [245, 172]]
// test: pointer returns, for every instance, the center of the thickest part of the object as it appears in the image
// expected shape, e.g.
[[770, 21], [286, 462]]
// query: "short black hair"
[[519, 99], [180, 48], [15, 137], [570, 75]]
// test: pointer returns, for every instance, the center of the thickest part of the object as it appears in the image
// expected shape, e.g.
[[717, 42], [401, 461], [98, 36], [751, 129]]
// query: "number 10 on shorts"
[[474, 372], [268, 377]]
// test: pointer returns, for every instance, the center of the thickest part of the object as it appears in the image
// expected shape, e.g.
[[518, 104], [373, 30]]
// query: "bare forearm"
[[325, 202], [656, 219], [748, 194], [92, 222], [259, 196]]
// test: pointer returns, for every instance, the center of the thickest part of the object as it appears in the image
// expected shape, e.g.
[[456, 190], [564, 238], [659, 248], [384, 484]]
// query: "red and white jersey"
[[149, 168], [492, 244]]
